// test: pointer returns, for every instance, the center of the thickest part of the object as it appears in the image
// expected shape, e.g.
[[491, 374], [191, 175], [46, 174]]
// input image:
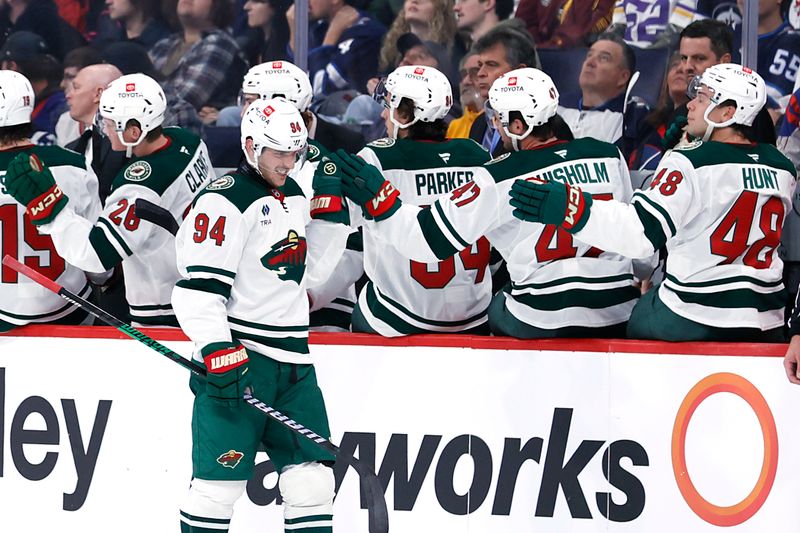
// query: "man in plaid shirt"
[[202, 63]]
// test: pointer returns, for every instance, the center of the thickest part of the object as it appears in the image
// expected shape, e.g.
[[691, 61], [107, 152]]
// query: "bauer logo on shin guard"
[[230, 459]]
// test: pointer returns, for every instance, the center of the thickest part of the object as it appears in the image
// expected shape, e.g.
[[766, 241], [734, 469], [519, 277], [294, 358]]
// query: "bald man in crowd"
[[83, 99]]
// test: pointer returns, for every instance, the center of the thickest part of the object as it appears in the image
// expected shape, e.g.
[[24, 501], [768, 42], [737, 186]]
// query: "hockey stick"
[[156, 214], [378, 516]]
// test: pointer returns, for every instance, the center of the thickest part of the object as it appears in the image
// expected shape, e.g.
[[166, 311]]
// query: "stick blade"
[[27, 271]]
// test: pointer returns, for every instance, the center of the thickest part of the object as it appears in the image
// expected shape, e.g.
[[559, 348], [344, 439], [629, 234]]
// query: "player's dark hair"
[[719, 33], [421, 131], [748, 132], [16, 133], [151, 136], [554, 127]]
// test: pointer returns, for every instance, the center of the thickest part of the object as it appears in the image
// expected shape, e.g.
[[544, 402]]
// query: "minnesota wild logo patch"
[[225, 182], [313, 152], [287, 257], [230, 459], [138, 171], [382, 143]]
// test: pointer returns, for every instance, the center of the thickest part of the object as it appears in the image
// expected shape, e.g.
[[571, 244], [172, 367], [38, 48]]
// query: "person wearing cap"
[[22, 301], [717, 204], [168, 167], [27, 53]]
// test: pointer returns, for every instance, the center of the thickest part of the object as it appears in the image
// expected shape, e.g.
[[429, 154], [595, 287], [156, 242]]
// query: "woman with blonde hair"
[[430, 20]]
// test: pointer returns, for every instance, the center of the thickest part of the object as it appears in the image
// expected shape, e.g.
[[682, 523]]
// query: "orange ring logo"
[[742, 511]]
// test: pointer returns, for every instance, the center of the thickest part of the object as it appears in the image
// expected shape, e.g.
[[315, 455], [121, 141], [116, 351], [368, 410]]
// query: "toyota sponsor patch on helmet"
[[268, 110], [225, 182], [138, 171]]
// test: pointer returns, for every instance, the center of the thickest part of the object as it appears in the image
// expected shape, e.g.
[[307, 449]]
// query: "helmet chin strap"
[[711, 125], [399, 125], [516, 138], [129, 145]]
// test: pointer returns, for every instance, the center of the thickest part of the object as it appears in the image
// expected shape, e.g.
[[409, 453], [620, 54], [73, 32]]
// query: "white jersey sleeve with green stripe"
[[557, 281], [450, 293], [719, 208], [169, 178], [21, 300]]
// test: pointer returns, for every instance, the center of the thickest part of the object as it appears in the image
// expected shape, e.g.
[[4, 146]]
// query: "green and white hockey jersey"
[[242, 255], [446, 294], [21, 300], [556, 281], [719, 208], [169, 178]]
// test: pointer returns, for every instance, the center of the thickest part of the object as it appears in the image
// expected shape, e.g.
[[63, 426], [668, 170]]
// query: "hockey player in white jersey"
[[718, 204], [169, 168], [22, 301], [331, 302], [405, 297], [242, 299], [559, 286]]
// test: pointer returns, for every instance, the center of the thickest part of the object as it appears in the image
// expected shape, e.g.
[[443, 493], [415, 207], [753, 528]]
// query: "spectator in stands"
[[564, 23], [469, 96], [476, 17], [778, 50], [39, 17], [364, 112], [343, 46], [138, 21], [67, 129], [83, 99], [705, 43], [646, 156], [429, 20], [652, 24], [505, 47], [601, 109], [271, 30], [131, 58], [27, 53], [200, 61]]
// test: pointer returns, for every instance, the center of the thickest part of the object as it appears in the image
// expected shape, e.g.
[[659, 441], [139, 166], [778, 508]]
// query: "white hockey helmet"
[[16, 98], [273, 123], [133, 97], [527, 90], [279, 78], [729, 81], [427, 87]]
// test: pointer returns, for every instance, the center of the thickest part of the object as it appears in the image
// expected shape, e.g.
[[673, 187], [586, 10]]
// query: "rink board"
[[470, 435]]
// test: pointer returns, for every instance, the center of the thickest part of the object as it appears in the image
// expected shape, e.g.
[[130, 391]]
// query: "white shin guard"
[[307, 490]]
